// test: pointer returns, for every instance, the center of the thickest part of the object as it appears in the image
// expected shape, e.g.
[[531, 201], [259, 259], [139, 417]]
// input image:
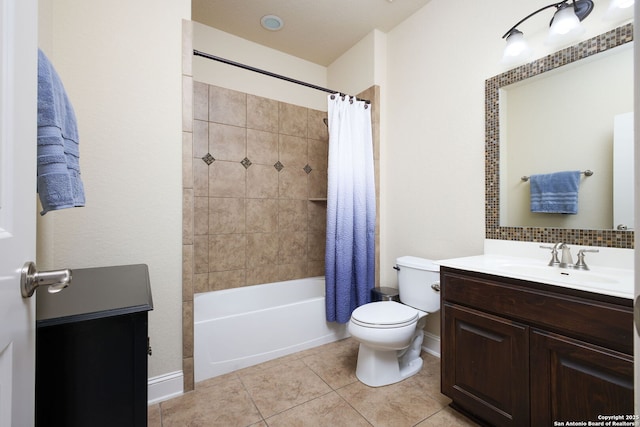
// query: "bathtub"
[[241, 327]]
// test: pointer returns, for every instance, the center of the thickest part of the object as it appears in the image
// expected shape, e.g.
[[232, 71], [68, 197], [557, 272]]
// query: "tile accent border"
[[604, 238]]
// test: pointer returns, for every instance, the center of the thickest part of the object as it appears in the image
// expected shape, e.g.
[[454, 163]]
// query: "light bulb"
[[566, 26]]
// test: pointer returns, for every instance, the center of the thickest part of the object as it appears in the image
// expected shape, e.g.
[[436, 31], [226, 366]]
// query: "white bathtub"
[[241, 327]]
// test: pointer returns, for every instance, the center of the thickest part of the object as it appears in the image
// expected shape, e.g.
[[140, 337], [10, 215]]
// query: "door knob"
[[31, 278]]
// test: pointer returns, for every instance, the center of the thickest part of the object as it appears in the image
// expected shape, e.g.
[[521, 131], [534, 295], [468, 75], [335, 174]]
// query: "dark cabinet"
[[517, 353], [577, 381], [489, 373], [91, 349]]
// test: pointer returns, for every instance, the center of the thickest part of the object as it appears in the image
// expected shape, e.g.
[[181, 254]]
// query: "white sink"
[[560, 274], [609, 281]]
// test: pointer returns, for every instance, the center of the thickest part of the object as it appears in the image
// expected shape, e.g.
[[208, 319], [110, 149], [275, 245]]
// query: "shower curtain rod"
[[268, 73]]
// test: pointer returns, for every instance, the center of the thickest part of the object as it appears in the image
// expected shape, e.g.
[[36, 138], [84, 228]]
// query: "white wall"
[[433, 162], [120, 62], [355, 70]]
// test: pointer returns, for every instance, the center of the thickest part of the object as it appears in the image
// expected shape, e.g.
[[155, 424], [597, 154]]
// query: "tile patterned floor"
[[315, 387]]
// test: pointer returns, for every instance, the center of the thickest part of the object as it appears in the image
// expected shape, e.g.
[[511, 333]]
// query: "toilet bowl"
[[390, 333]]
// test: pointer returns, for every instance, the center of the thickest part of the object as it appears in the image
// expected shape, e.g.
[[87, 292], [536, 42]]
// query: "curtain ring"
[[366, 106], [333, 97]]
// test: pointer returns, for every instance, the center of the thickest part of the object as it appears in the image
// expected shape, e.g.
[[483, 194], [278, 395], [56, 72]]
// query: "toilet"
[[389, 332]]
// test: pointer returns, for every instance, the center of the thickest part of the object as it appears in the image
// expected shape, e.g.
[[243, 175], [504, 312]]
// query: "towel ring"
[[587, 172]]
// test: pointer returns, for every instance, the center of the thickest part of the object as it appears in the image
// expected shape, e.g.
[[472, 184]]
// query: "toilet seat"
[[384, 315]]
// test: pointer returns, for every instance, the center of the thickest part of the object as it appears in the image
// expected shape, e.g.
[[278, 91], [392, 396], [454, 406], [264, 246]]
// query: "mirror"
[[506, 163]]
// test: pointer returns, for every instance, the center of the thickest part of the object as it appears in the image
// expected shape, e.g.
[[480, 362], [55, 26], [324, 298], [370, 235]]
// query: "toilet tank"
[[416, 277]]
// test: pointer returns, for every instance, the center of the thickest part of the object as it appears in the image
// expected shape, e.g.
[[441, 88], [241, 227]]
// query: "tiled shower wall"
[[253, 169], [256, 165]]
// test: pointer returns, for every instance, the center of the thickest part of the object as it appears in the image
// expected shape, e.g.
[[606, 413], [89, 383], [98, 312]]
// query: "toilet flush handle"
[[436, 286]]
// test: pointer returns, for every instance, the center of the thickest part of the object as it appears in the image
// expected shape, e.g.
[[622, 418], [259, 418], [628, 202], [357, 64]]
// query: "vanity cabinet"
[[519, 353], [91, 349]]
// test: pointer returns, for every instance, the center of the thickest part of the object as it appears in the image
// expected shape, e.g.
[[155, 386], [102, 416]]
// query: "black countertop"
[[96, 293]]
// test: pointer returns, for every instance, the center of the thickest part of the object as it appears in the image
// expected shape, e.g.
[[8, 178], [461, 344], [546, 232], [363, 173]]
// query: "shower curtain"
[[351, 208]]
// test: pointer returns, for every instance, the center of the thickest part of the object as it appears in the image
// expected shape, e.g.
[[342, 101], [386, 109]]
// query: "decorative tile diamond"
[[246, 163], [279, 166], [307, 169], [208, 159]]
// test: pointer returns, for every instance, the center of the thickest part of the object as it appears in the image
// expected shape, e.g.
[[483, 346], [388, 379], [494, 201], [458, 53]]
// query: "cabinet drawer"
[[569, 312]]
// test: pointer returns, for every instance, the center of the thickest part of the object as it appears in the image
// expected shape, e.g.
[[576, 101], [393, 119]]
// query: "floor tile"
[[428, 379], [396, 405], [447, 418], [284, 386], [153, 416], [328, 410], [336, 366], [315, 387], [226, 404]]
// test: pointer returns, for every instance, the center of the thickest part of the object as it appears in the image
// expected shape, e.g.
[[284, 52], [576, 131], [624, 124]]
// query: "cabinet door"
[[575, 381], [485, 365]]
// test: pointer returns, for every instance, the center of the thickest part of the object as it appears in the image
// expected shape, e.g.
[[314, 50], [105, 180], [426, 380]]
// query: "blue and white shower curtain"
[[351, 208]]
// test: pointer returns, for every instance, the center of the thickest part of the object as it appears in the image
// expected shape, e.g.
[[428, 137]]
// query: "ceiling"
[[319, 31]]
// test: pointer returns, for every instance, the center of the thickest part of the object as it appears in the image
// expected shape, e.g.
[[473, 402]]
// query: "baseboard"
[[164, 387], [431, 343]]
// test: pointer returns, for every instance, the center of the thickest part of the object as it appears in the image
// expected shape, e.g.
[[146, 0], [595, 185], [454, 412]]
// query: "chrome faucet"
[[565, 261], [554, 254], [581, 265]]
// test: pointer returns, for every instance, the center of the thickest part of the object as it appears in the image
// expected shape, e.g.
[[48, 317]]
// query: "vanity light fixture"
[[619, 10], [565, 27]]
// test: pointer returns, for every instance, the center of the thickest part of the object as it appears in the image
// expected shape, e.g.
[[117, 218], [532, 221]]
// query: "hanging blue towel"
[[59, 182], [555, 192]]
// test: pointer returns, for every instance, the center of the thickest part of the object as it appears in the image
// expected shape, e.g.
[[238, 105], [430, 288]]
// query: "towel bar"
[[585, 173]]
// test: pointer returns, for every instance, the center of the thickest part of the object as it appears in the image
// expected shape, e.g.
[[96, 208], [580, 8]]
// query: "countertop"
[[616, 282], [95, 293]]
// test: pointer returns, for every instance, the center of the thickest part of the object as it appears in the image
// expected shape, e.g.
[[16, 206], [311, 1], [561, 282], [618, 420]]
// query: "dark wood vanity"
[[520, 353]]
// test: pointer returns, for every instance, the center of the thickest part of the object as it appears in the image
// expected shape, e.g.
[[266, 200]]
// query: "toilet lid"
[[384, 314]]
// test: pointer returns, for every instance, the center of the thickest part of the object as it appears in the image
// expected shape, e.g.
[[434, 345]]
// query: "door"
[[18, 110]]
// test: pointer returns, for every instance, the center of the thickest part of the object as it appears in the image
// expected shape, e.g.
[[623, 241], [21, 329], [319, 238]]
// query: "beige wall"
[[120, 62], [433, 162], [227, 46]]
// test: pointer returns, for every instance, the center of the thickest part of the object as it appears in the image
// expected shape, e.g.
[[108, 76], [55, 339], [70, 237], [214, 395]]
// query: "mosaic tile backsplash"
[[604, 238]]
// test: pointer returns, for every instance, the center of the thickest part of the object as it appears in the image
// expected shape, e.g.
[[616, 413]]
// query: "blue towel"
[[555, 192], [59, 182]]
